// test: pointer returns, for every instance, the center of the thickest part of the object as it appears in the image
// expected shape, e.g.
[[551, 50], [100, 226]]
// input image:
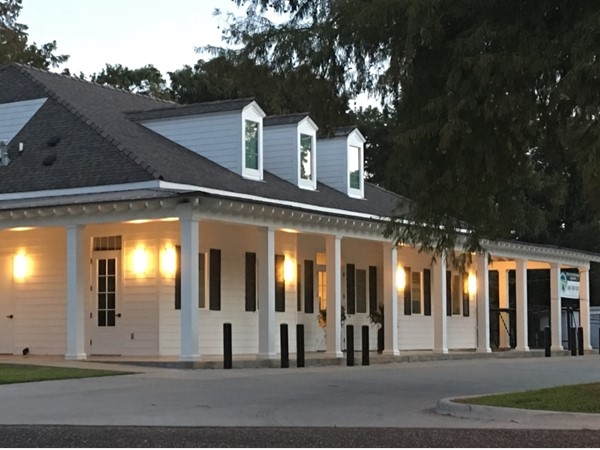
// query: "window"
[[309, 287], [202, 278], [279, 284], [214, 288], [361, 291], [306, 157], [106, 243], [251, 144], [250, 282], [106, 291], [354, 167], [415, 292]]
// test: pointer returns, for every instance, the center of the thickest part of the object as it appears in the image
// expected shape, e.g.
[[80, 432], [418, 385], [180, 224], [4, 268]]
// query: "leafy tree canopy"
[[14, 46], [492, 107], [146, 80]]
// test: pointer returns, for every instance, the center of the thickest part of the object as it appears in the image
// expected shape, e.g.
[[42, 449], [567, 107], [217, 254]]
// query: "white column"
[[266, 294], [76, 264], [438, 305], [483, 304], [521, 287], [333, 249], [390, 299], [555, 307], [189, 289], [584, 306]]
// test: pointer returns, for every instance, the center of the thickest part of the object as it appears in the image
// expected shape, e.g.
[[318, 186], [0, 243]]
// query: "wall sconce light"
[[140, 261], [289, 270], [472, 284], [400, 278], [20, 266], [168, 261]]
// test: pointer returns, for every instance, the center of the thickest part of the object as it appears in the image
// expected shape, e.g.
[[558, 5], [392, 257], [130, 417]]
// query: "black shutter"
[[178, 277], [279, 284], [201, 281], [215, 280], [350, 289], [448, 293], [372, 289], [309, 287], [299, 288], [407, 292], [250, 281], [427, 291], [466, 294]]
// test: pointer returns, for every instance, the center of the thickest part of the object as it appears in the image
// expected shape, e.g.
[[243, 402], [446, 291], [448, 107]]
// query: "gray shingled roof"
[[284, 119], [191, 110], [101, 145]]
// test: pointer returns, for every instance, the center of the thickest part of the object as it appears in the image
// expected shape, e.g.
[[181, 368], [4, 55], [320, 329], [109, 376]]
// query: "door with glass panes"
[[105, 308]]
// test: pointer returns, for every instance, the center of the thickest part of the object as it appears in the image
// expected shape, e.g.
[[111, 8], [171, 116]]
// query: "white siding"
[[39, 301], [218, 137], [14, 116]]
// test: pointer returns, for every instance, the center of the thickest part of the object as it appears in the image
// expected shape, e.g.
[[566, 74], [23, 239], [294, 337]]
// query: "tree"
[[229, 76], [14, 46], [146, 80], [493, 106]]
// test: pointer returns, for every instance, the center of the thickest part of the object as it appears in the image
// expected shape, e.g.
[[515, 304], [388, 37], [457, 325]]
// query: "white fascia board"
[[358, 135], [155, 184], [257, 109], [235, 195], [310, 123]]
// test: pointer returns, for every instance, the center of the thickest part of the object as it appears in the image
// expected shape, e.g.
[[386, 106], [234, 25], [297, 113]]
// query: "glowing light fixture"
[[20, 266], [400, 278], [168, 261], [289, 270], [140, 261], [472, 283]]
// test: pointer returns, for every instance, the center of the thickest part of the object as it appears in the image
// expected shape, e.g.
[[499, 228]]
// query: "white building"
[[132, 226]]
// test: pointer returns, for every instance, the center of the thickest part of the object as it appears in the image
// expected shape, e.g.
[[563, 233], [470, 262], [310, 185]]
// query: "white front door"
[[7, 313], [106, 318]]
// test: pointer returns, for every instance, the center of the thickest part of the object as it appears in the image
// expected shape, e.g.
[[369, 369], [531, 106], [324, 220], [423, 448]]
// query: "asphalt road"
[[138, 437]]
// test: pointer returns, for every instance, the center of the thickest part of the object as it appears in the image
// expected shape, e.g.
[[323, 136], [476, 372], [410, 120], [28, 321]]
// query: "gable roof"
[[100, 145]]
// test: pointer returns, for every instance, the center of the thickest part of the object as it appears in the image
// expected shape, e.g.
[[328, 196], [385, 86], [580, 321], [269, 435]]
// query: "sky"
[[133, 33]]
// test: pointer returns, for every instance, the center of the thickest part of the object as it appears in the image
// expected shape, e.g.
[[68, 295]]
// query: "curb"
[[530, 417]]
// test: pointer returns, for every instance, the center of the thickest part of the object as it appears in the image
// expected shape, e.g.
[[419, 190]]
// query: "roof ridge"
[[88, 122], [178, 106]]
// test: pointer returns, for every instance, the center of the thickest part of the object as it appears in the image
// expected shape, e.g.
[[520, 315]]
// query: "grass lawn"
[[23, 373], [583, 398]]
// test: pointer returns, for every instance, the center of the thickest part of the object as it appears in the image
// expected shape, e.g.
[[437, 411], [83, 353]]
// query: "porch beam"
[[334, 295], [189, 289], [521, 288], [555, 307], [438, 306], [390, 299], [266, 284], [483, 304], [76, 264], [584, 306]]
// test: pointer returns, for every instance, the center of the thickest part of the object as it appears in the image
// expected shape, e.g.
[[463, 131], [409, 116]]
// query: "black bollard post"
[[349, 345], [285, 350], [580, 340], [227, 354], [572, 341], [299, 345], [365, 345], [547, 341]]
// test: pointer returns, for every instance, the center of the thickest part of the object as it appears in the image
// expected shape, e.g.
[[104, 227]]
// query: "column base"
[[190, 358], [522, 349], [391, 353], [484, 350], [266, 356], [334, 354], [440, 351], [557, 348], [75, 356]]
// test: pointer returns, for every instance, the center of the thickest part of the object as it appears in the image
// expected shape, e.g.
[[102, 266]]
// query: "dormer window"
[[251, 144], [306, 157], [355, 167]]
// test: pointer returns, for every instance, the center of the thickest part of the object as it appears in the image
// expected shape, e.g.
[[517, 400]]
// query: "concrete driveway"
[[385, 395]]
